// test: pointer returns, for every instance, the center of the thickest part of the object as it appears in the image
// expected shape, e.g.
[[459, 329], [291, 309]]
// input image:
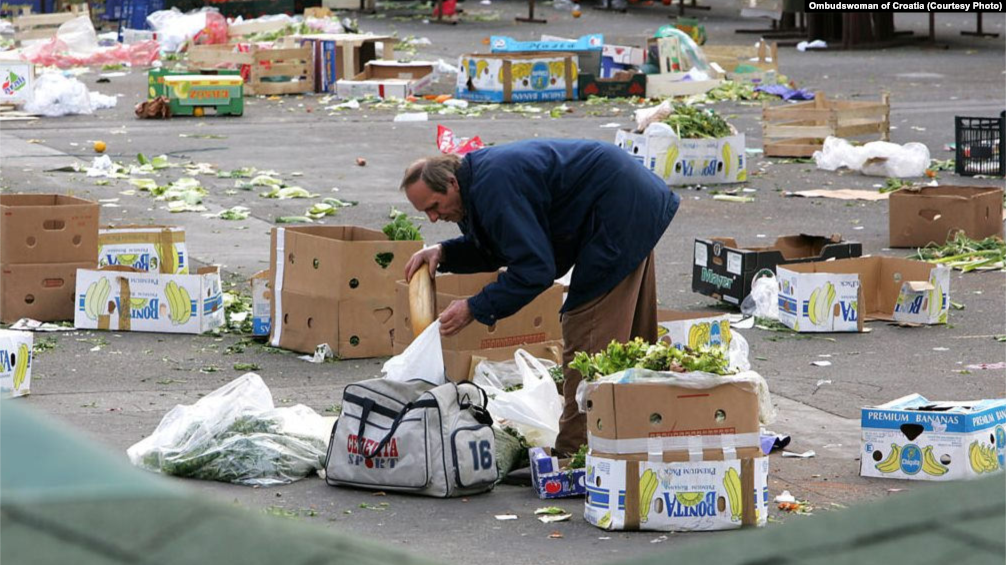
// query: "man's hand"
[[455, 318], [431, 256]]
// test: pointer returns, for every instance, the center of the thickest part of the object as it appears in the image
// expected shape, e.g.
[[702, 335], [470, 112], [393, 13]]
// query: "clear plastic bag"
[[534, 408], [737, 353], [235, 434], [876, 159], [55, 95], [763, 302]]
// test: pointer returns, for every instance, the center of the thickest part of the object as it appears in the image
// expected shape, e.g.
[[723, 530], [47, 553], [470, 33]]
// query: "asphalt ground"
[[117, 386]]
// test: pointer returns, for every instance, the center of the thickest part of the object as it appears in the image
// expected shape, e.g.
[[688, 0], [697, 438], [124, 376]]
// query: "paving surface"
[[118, 393]]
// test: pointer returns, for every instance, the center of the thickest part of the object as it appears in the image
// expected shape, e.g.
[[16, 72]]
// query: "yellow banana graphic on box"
[[732, 484], [930, 465], [819, 306], [670, 160], [96, 298], [21, 365], [605, 521], [169, 258], [127, 259], [179, 303], [893, 461], [647, 487], [983, 459], [727, 159], [725, 332]]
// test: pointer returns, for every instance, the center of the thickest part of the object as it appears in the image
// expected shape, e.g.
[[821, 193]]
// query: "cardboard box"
[[724, 270], [587, 48], [47, 228], [550, 477], [261, 303], [17, 81], [42, 291], [388, 79], [918, 439], [343, 55], [535, 323], [681, 496], [120, 299], [838, 296], [616, 58], [157, 249], [686, 161], [328, 287], [630, 420], [623, 84], [512, 77], [934, 214], [693, 329], [155, 77], [15, 363]]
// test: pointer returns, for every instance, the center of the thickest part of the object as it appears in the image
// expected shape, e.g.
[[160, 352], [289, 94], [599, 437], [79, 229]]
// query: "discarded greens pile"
[[966, 254], [401, 228], [691, 122], [639, 354]]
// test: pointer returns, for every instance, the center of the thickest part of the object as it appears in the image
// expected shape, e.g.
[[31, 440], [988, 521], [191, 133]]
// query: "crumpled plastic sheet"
[[875, 159], [57, 95], [57, 53], [785, 92]]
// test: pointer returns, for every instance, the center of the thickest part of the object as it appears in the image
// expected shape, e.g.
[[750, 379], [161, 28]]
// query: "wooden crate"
[[28, 26], [798, 130], [353, 50], [728, 57], [259, 63]]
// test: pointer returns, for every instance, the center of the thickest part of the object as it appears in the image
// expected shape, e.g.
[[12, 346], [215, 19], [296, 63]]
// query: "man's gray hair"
[[436, 172]]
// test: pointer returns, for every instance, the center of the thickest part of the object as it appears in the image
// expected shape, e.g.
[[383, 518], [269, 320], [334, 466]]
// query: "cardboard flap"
[[919, 286]]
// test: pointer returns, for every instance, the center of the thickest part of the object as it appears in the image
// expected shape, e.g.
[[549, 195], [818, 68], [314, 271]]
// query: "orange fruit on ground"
[[99, 146], [198, 112], [577, 13]]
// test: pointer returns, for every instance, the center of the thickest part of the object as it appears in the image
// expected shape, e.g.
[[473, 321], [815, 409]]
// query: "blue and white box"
[[550, 480], [261, 303], [501, 77], [917, 439]]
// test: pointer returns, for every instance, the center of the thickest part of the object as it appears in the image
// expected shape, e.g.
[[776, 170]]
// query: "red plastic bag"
[[449, 144]]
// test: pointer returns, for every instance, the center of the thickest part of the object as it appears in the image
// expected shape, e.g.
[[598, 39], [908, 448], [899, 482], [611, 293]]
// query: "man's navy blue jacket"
[[539, 207]]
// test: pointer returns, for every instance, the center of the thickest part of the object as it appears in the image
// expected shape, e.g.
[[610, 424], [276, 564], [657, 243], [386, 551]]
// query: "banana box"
[[515, 77], [15, 363], [120, 299], [693, 329], [155, 249], [672, 497], [917, 439], [687, 161], [838, 296]]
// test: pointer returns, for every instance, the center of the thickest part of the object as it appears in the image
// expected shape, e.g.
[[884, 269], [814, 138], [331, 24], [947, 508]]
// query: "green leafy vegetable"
[[966, 254], [401, 228], [639, 354], [691, 122]]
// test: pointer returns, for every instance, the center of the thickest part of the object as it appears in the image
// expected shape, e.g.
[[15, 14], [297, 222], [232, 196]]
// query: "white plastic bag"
[[533, 409], [175, 28], [763, 302], [737, 354], [56, 95], [235, 434], [422, 359], [877, 158]]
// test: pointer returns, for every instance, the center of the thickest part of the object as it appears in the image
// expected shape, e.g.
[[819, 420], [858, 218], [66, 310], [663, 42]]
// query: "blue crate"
[[133, 14], [113, 10]]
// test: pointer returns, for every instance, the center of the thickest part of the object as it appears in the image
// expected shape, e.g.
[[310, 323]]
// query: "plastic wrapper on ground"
[[235, 434]]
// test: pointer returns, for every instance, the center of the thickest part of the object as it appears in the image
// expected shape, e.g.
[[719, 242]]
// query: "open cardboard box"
[[933, 214], [388, 79], [335, 285], [725, 270], [535, 328], [918, 439], [693, 329], [687, 161], [15, 363], [261, 303], [517, 77], [838, 296]]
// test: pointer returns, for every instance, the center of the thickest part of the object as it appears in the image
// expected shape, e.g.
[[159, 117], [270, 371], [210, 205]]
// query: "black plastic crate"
[[981, 146]]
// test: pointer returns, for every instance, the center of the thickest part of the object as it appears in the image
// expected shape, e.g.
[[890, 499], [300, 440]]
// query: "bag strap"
[[369, 405], [479, 411]]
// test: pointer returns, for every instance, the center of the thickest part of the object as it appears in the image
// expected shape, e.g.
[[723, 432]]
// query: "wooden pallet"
[[798, 130], [10, 113], [28, 26], [258, 63]]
